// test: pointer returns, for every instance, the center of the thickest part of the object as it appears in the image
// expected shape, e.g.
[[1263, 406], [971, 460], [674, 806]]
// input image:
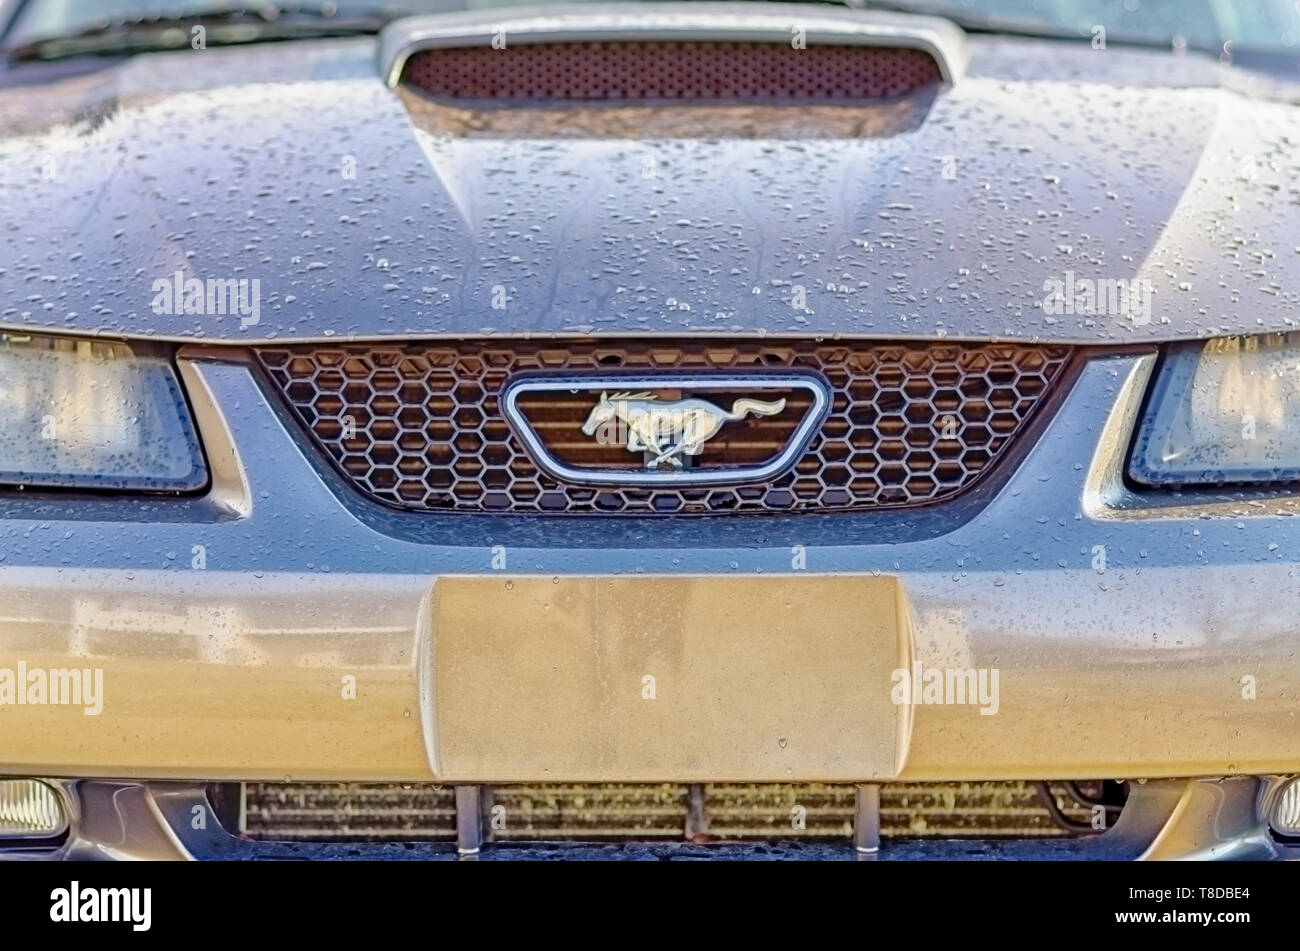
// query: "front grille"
[[419, 426], [656, 812], [653, 72]]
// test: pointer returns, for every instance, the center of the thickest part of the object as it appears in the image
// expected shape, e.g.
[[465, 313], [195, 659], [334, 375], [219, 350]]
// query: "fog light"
[[30, 809], [1285, 817]]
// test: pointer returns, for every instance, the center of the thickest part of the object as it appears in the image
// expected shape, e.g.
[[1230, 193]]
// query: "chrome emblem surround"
[[689, 423]]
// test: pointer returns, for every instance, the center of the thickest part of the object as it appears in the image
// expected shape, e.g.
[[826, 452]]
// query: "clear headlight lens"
[[91, 414], [1224, 411]]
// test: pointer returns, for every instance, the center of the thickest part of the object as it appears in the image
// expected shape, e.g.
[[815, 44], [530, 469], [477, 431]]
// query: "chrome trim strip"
[[736, 22], [522, 428]]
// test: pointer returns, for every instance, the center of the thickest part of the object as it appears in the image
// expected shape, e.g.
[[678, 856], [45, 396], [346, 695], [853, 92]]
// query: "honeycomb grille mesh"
[[420, 426], [629, 72], [651, 811]]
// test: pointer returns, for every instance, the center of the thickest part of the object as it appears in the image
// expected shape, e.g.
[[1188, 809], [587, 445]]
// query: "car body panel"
[[1064, 159], [1098, 677]]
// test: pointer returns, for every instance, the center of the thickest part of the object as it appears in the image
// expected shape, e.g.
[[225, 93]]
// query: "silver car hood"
[[295, 165]]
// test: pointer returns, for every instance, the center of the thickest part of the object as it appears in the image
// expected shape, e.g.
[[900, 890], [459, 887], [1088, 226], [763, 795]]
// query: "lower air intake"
[[352, 812]]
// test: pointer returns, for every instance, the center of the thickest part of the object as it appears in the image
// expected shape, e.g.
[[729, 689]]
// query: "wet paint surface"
[[294, 165]]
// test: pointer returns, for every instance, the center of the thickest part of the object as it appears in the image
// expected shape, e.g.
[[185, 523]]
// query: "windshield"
[[1263, 25]]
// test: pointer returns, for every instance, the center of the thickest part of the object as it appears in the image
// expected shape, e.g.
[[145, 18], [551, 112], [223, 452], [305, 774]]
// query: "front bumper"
[[225, 626], [1199, 819]]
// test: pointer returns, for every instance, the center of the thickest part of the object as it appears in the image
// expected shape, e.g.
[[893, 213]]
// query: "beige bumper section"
[[496, 679]]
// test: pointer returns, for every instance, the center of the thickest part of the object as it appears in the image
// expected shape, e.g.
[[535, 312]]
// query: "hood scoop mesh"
[[631, 73]]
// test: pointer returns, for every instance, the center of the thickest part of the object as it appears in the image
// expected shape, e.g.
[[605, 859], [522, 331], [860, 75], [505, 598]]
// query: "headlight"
[[91, 414], [1224, 411]]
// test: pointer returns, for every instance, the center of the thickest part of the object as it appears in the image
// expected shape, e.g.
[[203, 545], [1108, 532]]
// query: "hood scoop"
[[683, 53], [677, 72]]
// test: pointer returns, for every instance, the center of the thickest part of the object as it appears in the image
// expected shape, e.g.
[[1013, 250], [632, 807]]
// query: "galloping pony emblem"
[[670, 430]]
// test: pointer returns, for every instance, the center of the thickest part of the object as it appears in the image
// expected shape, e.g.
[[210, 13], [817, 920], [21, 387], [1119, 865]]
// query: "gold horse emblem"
[[670, 430]]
